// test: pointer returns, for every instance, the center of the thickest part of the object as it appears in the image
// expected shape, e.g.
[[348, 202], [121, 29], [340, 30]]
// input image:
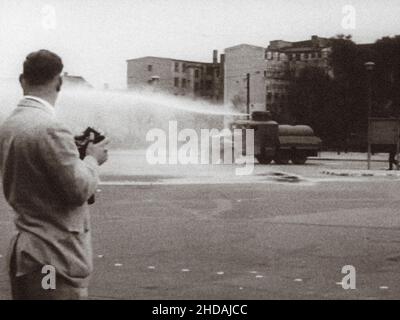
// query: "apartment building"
[[178, 77], [270, 70]]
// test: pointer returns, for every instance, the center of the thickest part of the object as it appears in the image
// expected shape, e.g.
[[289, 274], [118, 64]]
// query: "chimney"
[[215, 56], [315, 40]]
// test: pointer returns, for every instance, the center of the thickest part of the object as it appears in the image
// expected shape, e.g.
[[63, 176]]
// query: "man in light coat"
[[47, 185]]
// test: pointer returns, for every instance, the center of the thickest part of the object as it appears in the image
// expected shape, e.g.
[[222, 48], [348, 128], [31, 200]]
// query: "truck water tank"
[[300, 130]]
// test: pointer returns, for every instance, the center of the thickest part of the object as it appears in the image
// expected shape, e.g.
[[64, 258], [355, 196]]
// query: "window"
[[306, 55], [196, 86], [183, 83], [320, 54], [269, 96], [176, 82], [183, 67], [209, 70], [149, 67], [265, 73], [196, 73], [268, 55], [208, 85], [298, 57], [313, 55], [176, 66]]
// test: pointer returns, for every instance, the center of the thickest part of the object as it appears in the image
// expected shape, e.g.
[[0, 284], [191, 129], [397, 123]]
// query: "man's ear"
[[21, 79], [59, 84]]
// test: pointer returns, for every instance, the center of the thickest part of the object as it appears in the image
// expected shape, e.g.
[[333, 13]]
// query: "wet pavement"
[[201, 232]]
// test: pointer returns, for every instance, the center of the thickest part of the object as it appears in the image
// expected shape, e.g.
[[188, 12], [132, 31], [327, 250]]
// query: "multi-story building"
[[270, 70], [287, 59], [178, 77], [241, 60]]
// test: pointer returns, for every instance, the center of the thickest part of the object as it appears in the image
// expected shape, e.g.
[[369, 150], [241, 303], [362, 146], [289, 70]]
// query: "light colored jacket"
[[48, 186]]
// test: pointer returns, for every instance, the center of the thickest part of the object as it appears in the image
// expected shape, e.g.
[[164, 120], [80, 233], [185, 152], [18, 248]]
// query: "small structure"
[[75, 81]]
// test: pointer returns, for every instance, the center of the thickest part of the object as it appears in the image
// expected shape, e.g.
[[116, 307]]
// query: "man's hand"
[[98, 150]]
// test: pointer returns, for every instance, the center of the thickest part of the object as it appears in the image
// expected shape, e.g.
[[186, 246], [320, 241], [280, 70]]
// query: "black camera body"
[[82, 142]]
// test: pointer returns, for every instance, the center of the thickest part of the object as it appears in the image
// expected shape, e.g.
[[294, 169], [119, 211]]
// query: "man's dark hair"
[[41, 67]]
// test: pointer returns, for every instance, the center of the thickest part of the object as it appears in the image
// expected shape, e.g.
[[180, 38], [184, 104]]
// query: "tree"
[[312, 101], [387, 76], [335, 107]]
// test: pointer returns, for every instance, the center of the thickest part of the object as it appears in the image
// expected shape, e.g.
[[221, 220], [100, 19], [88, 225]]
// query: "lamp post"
[[369, 66]]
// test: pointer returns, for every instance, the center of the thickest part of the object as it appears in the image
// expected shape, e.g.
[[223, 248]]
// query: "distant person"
[[47, 185], [392, 158]]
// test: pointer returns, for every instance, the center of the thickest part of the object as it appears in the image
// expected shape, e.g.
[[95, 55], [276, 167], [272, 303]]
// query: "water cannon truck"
[[279, 143]]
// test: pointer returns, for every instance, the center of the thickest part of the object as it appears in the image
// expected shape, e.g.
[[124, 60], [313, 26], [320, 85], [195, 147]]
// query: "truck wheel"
[[281, 158], [263, 159], [299, 159]]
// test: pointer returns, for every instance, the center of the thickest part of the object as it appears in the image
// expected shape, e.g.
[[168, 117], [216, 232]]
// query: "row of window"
[[269, 55], [209, 70], [183, 83], [181, 67]]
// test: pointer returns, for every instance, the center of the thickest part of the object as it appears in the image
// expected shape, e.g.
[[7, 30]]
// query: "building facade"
[[241, 60], [270, 70], [178, 77]]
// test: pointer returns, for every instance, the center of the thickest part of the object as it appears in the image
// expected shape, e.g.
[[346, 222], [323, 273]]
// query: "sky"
[[96, 37]]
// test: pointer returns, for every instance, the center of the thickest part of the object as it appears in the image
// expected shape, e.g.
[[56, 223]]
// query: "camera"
[[82, 142]]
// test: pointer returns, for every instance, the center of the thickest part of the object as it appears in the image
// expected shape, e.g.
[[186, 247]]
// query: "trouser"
[[392, 160], [29, 287]]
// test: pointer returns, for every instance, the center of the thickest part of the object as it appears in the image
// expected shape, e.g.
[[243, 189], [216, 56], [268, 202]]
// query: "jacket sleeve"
[[74, 179]]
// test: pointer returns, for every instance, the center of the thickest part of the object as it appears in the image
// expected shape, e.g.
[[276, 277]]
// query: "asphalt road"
[[202, 233]]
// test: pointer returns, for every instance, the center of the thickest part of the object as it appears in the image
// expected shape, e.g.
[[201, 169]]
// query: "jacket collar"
[[35, 102]]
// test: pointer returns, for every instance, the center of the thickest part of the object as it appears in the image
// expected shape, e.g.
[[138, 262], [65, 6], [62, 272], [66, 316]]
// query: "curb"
[[364, 173], [343, 159]]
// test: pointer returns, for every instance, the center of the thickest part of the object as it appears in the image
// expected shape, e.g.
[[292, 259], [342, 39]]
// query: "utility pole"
[[248, 96]]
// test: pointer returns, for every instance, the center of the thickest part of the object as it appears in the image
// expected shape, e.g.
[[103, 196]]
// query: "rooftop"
[[169, 59], [75, 80]]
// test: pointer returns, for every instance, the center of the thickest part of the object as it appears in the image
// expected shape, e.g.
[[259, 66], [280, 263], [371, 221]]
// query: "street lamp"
[[369, 66]]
